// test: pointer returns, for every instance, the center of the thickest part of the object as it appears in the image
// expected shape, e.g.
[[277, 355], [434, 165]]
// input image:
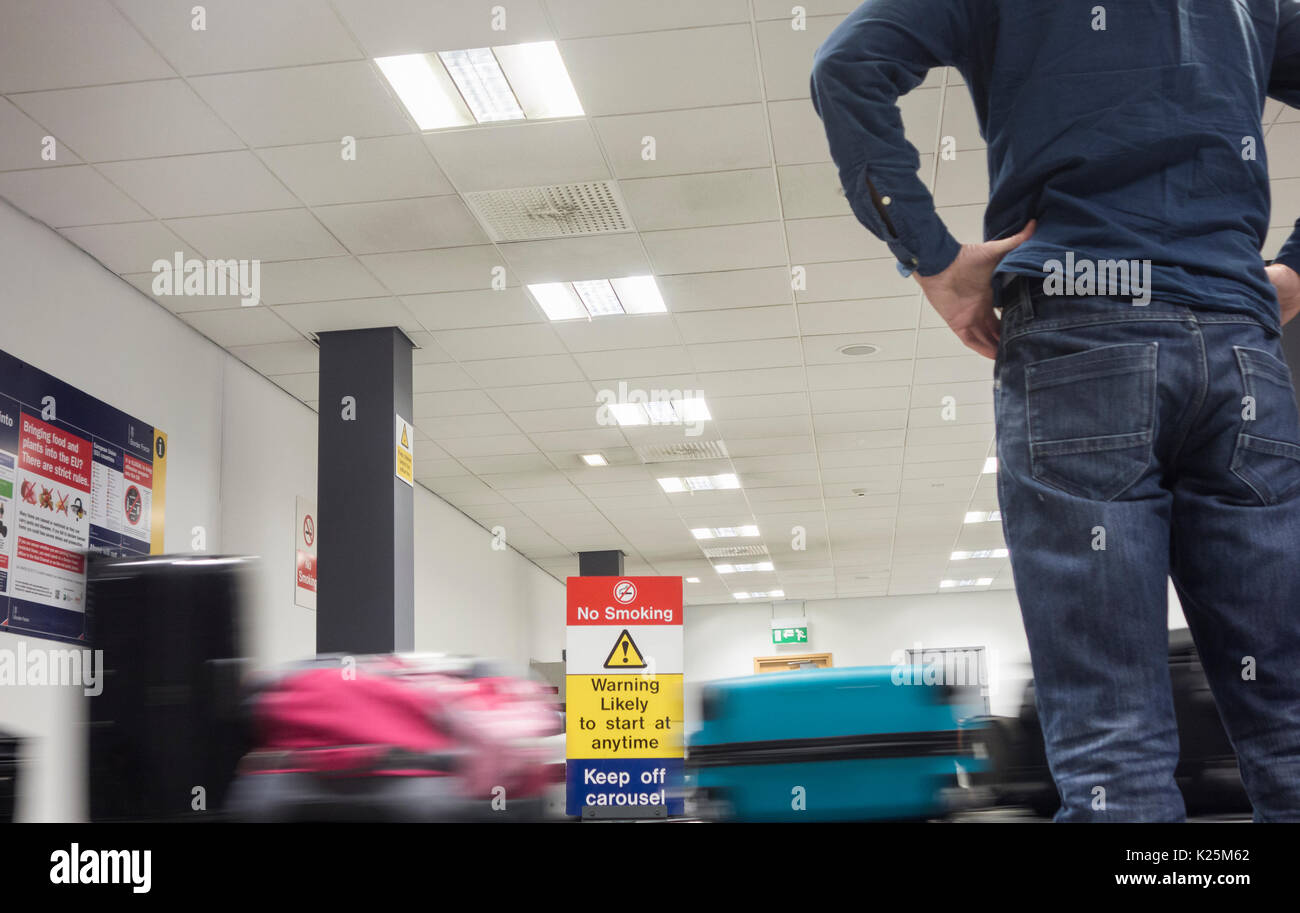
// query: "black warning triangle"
[[625, 654], [404, 443]]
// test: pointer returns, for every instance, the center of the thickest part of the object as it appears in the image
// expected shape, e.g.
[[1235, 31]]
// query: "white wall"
[[240, 451], [721, 641]]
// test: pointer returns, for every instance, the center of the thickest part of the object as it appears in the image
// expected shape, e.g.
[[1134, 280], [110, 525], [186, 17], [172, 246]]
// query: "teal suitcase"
[[853, 744]]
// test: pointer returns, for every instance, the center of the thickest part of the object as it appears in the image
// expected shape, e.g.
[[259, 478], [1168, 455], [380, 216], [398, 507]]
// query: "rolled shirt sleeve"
[[1284, 85], [883, 50]]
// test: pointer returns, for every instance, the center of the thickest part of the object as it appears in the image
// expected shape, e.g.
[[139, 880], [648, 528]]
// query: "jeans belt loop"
[[1026, 299]]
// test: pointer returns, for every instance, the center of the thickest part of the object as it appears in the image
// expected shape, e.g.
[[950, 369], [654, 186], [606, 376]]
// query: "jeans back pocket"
[[1091, 418], [1266, 456]]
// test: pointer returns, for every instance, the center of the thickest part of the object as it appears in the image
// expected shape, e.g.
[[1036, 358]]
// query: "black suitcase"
[[10, 764], [169, 718]]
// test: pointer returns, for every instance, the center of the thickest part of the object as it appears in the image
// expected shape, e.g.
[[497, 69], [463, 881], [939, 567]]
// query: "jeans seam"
[[1194, 410]]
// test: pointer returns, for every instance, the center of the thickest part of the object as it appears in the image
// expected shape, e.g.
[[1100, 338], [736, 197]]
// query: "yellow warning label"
[[405, 453], [624, 654], [623, 716]]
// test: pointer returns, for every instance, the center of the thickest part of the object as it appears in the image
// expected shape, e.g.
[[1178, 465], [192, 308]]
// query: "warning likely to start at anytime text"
[[624, 716]]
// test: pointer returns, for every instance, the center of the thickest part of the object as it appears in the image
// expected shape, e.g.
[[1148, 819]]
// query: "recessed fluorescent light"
[[724, 532], [980, 553], [595, 459], [422, 84], [639, 295], [482, 85], [770, 594], [991, 465], [975, 581], [700, 483], [539, 78], [558, 300], [598, 297], [692, 579], [692, 409], [477, 74], [756, 567], [983, 516], [603, 297], [661, 412], [629, 413]]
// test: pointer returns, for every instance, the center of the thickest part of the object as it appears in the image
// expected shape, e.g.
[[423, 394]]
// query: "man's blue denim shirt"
[[1130, 129]]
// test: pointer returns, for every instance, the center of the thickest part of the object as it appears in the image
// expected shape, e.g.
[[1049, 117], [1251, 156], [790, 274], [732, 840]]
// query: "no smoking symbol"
[[625, 591], [308, 530]]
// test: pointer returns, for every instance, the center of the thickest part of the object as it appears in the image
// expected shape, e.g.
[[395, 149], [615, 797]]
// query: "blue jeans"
[[1137, 443]]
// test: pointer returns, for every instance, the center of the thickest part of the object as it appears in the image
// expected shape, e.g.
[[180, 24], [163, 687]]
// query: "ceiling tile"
[[129, 247], [729, 138], [487, 157], [446, 270], [567, 259], [243, 34], [22, 142], [625, 74], [345, 314], [285, 234], [76, 195], [280, 357], [729, 247], [387, 27], [384, 168], [323, 279], [737, 323], [401, 225], [695, 200], [499, 342], [129, 120], [242, 326], [322, 103], [630, 331], [50, 44], [482, 308], [200, 185], [788, 54]]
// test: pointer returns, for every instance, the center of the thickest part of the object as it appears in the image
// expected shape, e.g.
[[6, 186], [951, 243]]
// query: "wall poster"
[[77, 476]]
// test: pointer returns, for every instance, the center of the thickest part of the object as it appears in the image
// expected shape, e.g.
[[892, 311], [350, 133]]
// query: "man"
[[1146, 422]]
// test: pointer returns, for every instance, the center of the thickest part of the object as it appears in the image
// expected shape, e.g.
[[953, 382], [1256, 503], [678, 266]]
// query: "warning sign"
[[624, 716], [623, 692], [404, 434], [305, 569], [624, 655]]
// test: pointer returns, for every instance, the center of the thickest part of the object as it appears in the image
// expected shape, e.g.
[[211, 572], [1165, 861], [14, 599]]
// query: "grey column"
[[365, 601]]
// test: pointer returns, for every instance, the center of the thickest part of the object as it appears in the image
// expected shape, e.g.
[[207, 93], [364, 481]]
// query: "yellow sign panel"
[[159, 511], [625, 654], [405, 453], [623, 716]]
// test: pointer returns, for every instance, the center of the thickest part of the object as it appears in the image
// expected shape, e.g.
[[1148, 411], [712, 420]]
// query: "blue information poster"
[[76, 476]]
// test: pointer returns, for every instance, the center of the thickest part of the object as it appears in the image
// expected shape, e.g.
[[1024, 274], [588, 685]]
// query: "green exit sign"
[[789, 635]]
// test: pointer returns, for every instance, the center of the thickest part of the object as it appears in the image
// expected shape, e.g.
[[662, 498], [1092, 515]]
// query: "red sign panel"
[[624, 600]]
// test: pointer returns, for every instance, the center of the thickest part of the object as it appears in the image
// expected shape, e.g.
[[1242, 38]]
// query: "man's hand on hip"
[[1287, 282], [963, 293]]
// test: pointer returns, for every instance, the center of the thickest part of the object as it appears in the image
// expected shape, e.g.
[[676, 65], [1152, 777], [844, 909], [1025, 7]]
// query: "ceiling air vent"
[[558, 211], [685, 450], [734, 551]]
